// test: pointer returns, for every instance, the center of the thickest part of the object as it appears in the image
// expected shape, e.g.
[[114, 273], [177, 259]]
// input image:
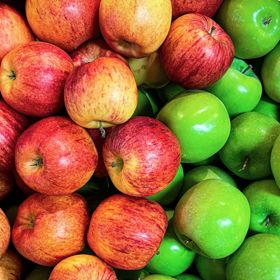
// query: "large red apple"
[[48, 229], [135, 28], [65, 23], [32, 78], [82, 267], [5, 233], [6, 184], [126, 231], [142, 156], [14, 31], [207, 8], [12, 124], [10, 266], [101, 93], [196, 52], [55, 156]]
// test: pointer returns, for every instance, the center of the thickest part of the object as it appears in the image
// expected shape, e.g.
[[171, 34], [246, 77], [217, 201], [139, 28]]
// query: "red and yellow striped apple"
[[5, 233], [10, 266]]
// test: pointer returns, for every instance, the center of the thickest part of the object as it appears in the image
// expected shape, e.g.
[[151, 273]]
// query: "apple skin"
[[275, 159], [142, 156], [264, 200], [185, 276], [257, 258], [121, 240], [247, 151], [55, 156], [24, 188], [66, 24], [197, 52], [207, 8], [6, 184], [12, 124], [158, 277], [5, 233], [48, 229], [10, 266], [82, 267], [270, 73], [135, 28], [101, 93], [32, 78], [16, 31], [215, 232], [242, 18]]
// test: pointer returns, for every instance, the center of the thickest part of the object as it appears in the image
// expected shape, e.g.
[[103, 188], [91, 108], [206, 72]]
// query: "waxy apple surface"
[[11, 267], [5, 233]]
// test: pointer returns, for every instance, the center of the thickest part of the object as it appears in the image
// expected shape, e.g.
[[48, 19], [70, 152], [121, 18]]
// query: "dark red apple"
[[5, 233], [10, 266], [6, 184], [55, 156], [197, 51], [126, 231]]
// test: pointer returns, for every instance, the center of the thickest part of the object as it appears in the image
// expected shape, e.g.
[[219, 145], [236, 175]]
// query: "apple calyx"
[[31, 221], [12, 75], [267, 21], [118, 163], [37, 162]]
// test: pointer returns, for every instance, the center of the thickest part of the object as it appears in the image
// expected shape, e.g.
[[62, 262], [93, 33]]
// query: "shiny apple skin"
[[5, 233]]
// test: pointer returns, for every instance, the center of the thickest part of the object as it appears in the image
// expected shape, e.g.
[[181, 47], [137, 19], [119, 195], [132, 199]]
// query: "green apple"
[[271, 74], [210, 269], [200, 121], [212, 218], [172, 257], [215, 159], [131, 274], [144, 106], [169, 213], [39, 272], [275, 161], [254, 26], [170, 91], [258, 258], [170, 193], [185, 276], [159, 277], [153, 98], [264, 200], [247, 151], [239, 88]]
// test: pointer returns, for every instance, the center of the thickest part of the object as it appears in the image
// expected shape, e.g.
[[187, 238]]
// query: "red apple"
[[91, 50], [82, 267], [142, 156], [6, 184], [14, 31], [10, 266], [21, 184], [12, 124], [101, 93], [55, 156], [65, 23], [135, 28], [126, 231], [197, 51], [48, 229], [207, 8], [32, 78], [5, 233]]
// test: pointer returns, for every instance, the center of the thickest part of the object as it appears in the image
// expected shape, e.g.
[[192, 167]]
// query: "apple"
[[275, 159], [65, 23], [126, 231], [252, 25], [207, 8], [264, 199], [139, 274], [197, 52], [32, 78], [101, 93], [200, 121], [247, 151], [10, 266], [135, 28], [91, 50], [185, 276], [142, 156], [169, 91], [6, 184], [14, 31], [5, 233], [212, 218], [21, 185], [270, 73], [48, 229], [12, 124], [257, 258], [159, 277], [144, 106], [82, 267], [55, 156], [239, 88], [39, 272]]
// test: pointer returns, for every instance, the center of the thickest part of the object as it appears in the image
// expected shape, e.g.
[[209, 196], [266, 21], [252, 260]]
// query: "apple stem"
[[249, 67], [244, 166], [267, 221], [213, 28], [102, 130], [267, 21], [12, 75], [38, 161]]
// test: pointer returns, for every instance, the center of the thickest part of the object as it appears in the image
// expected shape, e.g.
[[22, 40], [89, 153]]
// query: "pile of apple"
[[140, 140]]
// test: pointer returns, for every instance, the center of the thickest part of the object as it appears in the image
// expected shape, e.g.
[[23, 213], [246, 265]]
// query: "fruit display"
[[140, 140]]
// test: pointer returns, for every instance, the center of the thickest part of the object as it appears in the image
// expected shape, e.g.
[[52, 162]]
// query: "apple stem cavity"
[[12, 75], [267, 21], [118, 163], [244, 166], [37, 162], [266, 222], [213, 28], [249, 67]]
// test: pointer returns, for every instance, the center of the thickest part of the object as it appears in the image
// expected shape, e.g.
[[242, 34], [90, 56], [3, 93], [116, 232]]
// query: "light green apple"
[[239, 88], [39, 273], [200, 121], [158, 277], [275, 161], [247, 151], [258, 258], [212, 218], [264, 200], [185, 276], [253, 25], [144, 107], [270, 73]]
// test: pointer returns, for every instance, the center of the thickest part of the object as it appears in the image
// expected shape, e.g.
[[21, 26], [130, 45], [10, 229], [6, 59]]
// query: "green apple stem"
[[249, 67], [244, 166], [12, 75], [267, 21], [213, 28]]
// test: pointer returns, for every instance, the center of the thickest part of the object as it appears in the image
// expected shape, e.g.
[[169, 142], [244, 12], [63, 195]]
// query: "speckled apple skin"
[[5, 233]]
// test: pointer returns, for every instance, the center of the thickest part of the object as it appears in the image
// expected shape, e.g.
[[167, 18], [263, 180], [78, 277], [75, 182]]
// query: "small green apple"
[[258, 258], [144, 107], [185, 276]]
